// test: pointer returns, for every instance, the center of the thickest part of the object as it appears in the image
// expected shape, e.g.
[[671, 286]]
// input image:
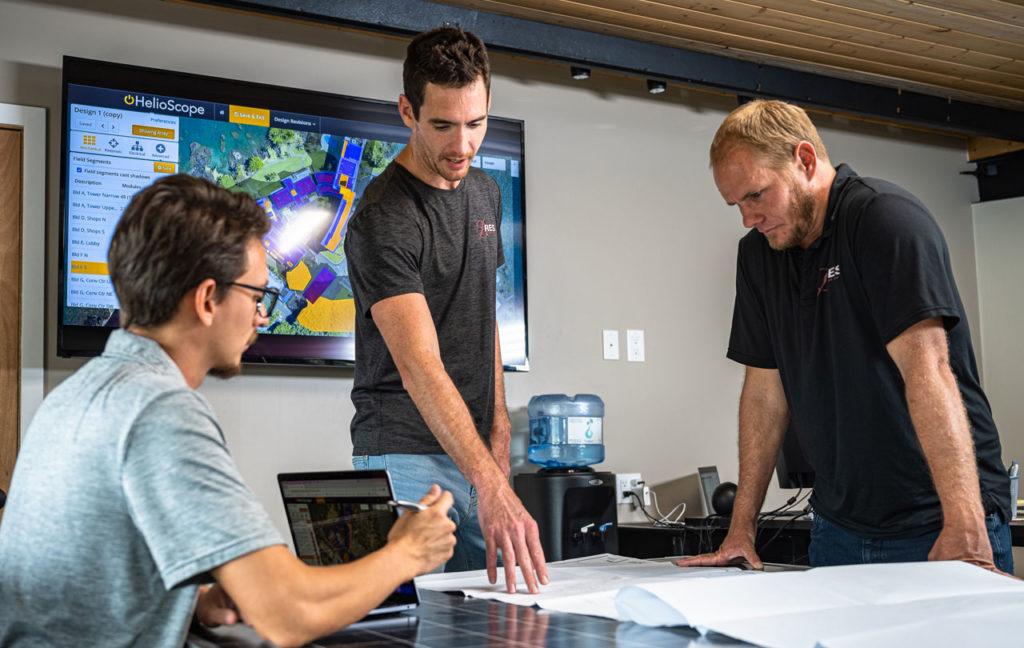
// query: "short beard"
[[438, 168], [226, 371], [230, 371], [801, 205]]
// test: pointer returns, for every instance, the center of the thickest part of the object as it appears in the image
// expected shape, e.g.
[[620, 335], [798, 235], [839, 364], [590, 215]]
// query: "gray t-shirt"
[[124, 497], [409, 237]]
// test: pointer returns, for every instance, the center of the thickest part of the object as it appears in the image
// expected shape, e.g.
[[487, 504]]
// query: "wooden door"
[[10, 290]]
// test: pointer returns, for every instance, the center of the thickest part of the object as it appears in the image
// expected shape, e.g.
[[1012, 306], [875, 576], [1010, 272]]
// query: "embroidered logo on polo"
[[485, 229], [828, 276]]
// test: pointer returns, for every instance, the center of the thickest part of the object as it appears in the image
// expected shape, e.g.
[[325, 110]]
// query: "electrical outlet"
[[624, 485], [635, 345]]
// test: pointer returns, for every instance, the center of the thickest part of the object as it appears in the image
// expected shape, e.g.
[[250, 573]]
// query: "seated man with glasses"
[[125, 505], [268, 298]]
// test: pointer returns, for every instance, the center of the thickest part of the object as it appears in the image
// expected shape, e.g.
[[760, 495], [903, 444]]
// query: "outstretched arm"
[[936, 408], [405, 323], [291, 603], [764, 415]]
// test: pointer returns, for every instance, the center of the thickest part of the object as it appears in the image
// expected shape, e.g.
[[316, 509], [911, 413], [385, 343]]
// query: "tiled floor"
[[447, 621]]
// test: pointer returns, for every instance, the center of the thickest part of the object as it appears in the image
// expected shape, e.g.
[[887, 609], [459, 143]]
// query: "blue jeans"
[[831, 545], [411, 477]]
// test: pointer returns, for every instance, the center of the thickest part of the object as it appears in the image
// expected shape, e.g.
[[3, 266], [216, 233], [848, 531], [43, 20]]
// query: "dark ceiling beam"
[[695, 69]]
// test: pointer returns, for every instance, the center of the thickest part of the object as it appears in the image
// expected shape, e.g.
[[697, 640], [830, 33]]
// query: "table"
[[1017, 532], [451, 621], [779, 540]]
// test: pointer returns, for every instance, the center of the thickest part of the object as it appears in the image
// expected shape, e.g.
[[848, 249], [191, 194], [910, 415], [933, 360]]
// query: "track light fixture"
[[579, 73]]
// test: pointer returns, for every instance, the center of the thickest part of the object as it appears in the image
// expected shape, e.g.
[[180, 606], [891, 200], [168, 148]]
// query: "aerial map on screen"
[[306, 172]]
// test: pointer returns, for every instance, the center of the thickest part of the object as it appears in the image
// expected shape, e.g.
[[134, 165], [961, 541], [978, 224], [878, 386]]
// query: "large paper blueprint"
[[580, 585], [933, 603], [839, 607]]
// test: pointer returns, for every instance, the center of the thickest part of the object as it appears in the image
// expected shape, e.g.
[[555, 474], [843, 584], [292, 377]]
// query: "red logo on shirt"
[[828, 275], [485, 229]]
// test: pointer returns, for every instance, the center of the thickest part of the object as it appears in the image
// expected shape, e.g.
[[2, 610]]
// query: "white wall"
[[999, 237], [624, 227]]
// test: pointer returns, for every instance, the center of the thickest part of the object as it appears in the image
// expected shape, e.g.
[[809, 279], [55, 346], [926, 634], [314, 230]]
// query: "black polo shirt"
[[823, 316]]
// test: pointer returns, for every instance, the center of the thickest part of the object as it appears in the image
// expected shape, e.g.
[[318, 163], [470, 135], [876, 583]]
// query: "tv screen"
[[304, 156]]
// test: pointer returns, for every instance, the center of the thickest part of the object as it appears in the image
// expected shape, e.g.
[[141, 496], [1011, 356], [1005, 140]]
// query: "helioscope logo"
[[165, 105]]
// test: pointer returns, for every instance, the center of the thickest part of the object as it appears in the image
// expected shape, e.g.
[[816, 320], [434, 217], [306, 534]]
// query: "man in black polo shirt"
[[854, 338]]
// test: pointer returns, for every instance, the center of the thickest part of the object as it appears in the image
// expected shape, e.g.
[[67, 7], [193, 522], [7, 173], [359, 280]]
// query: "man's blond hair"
[[771, 128]]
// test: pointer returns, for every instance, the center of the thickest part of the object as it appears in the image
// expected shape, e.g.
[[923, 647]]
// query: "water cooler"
[[574, 505]]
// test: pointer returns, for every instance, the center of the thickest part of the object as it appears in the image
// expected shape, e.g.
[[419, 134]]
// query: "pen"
[[408, 506]]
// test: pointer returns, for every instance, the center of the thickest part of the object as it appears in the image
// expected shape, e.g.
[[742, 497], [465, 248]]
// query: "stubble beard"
[[224, 372], [801, 205], [448, 175], [230, 371]]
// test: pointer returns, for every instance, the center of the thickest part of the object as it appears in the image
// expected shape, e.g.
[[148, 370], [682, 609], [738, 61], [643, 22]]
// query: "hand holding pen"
[[406, 506], [426, 535]]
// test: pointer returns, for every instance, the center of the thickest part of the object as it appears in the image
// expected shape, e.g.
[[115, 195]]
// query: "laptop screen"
[[708, 483], [338, 517]]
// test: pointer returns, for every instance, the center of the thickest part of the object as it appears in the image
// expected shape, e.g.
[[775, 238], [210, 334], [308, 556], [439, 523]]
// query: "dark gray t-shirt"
[[124, 497], [408, 237]]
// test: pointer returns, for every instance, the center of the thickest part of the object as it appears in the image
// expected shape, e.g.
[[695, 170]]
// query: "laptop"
[[708, 478], [341, 516]]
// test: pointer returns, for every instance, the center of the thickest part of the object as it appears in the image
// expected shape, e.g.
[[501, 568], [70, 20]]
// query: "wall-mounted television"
[[304, 156]]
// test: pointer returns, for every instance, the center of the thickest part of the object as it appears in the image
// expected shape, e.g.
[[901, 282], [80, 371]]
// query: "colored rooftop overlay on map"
[[308, 184]]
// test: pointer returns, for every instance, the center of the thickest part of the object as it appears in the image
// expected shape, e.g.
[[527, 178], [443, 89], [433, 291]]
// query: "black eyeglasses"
[[268, 297]]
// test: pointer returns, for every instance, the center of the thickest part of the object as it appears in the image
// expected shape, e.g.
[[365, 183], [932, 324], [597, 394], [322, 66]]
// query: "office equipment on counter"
[[1013, 472], [574, 506], [340, 516], [707, 479], [723, 498]]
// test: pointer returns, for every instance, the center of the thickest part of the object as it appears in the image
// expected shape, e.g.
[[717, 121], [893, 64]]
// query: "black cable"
[[788, 522], [707, 527], [779, 531], [640, 505], [777, 512], [787, 505]]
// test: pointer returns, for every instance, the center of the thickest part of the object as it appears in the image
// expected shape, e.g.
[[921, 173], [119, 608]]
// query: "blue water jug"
[[566, 432]]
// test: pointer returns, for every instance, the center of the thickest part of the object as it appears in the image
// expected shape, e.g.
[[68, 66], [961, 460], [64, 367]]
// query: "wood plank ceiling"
[[970, 50]]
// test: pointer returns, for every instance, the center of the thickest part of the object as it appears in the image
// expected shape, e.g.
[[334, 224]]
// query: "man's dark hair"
[[174, 234], [446, 56]]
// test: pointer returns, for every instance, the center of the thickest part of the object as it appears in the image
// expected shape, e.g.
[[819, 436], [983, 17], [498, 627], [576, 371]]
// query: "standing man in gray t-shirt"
[[125, 504], [423, 249]]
